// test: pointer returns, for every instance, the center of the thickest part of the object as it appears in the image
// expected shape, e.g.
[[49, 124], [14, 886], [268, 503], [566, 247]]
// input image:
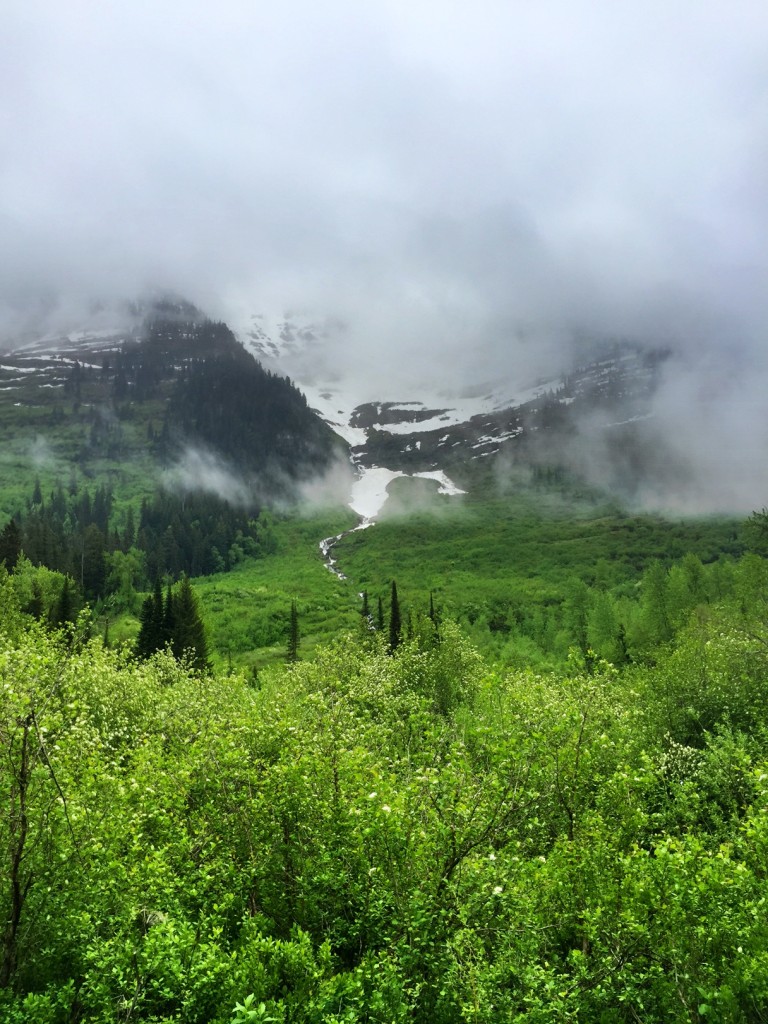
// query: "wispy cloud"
[[200, 470]]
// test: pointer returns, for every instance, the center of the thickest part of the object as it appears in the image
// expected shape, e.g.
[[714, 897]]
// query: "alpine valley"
[[325, 704], [143, 441]]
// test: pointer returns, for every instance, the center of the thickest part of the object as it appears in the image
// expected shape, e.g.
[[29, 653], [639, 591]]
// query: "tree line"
[[74, 532]]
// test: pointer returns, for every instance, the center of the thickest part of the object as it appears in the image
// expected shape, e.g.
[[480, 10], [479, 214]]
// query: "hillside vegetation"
[[118, 414], [510, 766], [368, 837], [527, 572]]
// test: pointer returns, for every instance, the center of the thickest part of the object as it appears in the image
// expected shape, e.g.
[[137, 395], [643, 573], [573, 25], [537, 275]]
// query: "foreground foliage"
[[383, 838]]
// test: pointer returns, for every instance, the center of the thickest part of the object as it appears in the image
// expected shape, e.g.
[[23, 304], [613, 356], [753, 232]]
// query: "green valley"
[[240, 789]]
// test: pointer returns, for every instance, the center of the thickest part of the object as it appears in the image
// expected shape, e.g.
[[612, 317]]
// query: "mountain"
[[275, 399], [593, 418], [154, 383]]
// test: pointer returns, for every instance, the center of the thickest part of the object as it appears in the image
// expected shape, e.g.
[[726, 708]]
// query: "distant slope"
[[593, 420], [221, 398], [127, 400]]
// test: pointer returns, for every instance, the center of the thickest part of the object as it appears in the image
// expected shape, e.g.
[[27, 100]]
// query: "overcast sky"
[[442, 173]]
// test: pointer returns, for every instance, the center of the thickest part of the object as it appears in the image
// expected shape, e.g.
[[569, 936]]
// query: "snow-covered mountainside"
[[600, 402], [74, 328], [302, 347], [609, 385]]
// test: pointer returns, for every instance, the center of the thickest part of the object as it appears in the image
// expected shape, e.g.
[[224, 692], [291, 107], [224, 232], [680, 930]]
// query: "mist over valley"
[[383, 512], [449, 211], [656, 427]]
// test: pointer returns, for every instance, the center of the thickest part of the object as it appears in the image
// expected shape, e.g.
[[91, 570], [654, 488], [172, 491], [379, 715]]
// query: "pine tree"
[[575, 612], [64, 611], [10, 545], [152, 636], [293, 634], [380, 615], [36, 604], [93, 569], [433, 615], [142, 647], [604, 629], [129, 532], [169, 616], [395, 622], [654, 603], [189, 640]]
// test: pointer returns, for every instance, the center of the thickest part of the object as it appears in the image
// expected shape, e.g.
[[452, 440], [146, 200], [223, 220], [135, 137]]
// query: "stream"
[[369, 492], [329, 543]]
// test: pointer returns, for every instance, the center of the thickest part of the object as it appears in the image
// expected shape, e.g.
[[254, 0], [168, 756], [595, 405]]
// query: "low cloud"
[[468, 188], [200, 470], [41, 454], [329, 489], [711, 426]]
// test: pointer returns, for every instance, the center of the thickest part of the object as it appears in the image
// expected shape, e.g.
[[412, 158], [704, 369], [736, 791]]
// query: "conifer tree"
[[142, 646], [575, 612], [380, 615], [64, 611], [364, 611], [36, 603], [92, 563], [654, 603], [152, 635], [293, 634], [129, 531], [168, 616], [10, 545], [188, 640], [433, 615], [395, 622], [603, 629]]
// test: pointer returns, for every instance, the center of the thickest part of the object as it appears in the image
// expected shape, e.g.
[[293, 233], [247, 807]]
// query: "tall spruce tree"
[[152, 636], [433, 615], [189, 640], [10, 545], [36, 604], [64, 610], [169, 616], [395, 621], [293, 633]]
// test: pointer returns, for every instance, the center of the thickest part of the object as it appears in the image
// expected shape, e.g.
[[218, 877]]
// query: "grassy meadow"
[[504, 566]]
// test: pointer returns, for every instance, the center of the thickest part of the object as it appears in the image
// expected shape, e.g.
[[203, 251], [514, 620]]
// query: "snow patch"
[[87, 334], [447, 486], [370, 491], [336, 409], [632, 419]]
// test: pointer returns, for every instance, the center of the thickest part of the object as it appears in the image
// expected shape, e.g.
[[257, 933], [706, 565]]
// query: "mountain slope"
[[593, 419], [132, 399]]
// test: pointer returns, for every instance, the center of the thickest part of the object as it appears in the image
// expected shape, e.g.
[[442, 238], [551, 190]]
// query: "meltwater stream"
[[369, 492], [329, 543]]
